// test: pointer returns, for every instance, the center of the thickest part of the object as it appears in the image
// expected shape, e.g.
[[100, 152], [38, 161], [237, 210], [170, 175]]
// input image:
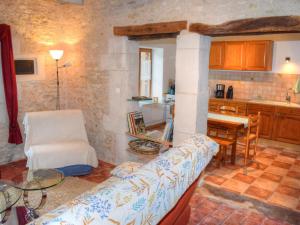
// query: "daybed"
[[156, 193]]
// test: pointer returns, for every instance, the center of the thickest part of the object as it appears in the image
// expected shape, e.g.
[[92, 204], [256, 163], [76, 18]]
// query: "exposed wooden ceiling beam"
[[151, 30], [78, 2], [153, 36], [251, 26]]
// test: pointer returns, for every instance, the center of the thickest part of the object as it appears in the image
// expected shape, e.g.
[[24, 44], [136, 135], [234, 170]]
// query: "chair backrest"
[[228, 109], [54, 126], [253, 124]]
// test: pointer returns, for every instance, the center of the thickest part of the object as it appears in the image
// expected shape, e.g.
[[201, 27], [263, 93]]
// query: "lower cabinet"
[[277, 123], [287, 125], [267, 118]]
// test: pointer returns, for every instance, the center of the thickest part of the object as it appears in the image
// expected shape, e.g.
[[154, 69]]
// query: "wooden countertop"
[[260, 102]]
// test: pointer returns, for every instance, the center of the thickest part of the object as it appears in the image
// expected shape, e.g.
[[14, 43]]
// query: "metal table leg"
[[5, 215], [32, 212]]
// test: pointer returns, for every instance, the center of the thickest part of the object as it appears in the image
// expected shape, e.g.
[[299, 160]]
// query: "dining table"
[[229, 123]]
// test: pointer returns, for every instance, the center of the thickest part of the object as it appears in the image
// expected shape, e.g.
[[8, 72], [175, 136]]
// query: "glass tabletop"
[[36, 179], [8, 196]]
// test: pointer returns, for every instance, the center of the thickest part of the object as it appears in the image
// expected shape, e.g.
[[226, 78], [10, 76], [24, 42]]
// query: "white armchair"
[[58, 139]]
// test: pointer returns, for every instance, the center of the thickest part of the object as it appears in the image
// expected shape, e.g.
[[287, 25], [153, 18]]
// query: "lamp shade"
[[56, 54]]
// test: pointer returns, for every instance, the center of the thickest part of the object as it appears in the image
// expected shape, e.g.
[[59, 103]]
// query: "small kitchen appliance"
[[229, 93], [220, 90]]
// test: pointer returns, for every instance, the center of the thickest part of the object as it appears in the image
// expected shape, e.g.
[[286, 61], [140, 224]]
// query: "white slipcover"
[[57, 139]]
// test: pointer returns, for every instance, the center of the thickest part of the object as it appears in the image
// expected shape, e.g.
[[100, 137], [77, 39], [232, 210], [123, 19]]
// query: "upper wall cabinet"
[[241, 55], [216, 58], [258, 55], [234, 55]]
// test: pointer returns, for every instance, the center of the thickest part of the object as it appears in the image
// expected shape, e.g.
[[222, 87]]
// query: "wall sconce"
[[57, 55], [287, 59]]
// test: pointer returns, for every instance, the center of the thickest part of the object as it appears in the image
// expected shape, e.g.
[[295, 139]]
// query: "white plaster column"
[[122, 64], [192, 93]]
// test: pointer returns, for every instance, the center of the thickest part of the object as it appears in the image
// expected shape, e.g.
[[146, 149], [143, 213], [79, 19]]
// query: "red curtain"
[[10, 84]]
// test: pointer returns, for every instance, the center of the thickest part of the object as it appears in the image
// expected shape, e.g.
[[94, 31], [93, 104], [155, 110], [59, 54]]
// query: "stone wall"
[[94, 82], [38, 26]]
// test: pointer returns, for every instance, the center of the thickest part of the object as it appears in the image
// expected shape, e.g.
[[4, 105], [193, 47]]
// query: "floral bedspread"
[[144, 196]]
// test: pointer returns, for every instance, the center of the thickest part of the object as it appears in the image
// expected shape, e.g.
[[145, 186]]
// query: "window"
[[145, 78]]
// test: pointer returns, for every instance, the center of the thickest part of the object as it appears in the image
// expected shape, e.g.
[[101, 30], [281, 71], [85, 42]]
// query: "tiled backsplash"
[[254, 85]]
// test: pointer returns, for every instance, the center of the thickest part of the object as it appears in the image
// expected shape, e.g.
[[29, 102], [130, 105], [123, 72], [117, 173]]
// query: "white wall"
[[169, 65], [283, 49], [157, 72]]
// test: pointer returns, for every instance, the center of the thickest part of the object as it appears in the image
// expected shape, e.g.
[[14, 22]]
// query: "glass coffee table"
[[8, 197], [35, 180]]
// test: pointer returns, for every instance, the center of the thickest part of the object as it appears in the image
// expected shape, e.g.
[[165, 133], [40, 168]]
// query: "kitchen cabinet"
[[213, 105], [216, 57], [287, 125], [267, 118], [241, 55], [234, 55], [277, 122], [258, 55]]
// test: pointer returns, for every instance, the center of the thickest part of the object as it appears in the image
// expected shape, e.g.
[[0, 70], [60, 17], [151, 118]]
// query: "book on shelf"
[[168, 131], [136, 124], [137, 128]]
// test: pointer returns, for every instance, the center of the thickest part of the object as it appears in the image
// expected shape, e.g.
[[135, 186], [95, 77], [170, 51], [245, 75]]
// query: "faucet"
[[287, 96]]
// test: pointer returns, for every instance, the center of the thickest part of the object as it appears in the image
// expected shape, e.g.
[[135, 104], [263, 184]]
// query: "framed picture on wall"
[[29, 67]]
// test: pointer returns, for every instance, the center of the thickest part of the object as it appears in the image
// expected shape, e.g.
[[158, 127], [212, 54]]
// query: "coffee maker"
[[220, 91]]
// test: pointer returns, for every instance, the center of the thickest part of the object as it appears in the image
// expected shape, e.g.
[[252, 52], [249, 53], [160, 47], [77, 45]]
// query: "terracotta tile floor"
[[204, 210], [10, 170], [274, 178]]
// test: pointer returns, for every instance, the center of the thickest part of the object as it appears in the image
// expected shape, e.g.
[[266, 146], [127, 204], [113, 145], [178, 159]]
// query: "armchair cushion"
[[61, 154]]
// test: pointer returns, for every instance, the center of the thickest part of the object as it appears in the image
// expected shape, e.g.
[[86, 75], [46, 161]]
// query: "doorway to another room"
[[157, 79]]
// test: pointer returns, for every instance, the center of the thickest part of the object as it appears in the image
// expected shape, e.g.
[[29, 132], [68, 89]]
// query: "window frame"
[[151, 80]]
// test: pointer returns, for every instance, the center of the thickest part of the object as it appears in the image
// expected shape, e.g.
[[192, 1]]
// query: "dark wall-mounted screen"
[[24, 67]]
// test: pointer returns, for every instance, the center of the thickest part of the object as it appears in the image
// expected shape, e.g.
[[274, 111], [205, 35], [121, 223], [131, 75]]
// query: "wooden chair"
[[228, 109], [218, 136], [251, 137]]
